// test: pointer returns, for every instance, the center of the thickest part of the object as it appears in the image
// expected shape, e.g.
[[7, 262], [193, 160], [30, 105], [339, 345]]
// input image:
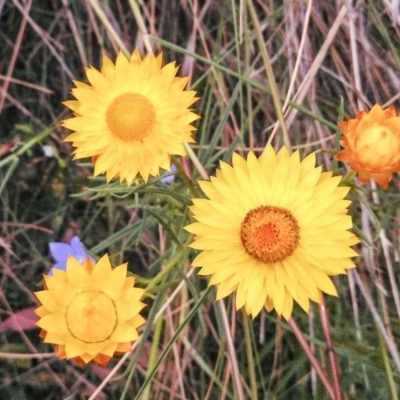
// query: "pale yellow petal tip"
[[127, 124], [82, 320]]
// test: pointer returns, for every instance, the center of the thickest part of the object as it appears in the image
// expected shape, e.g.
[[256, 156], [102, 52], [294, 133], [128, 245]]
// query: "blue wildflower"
[[61, 251], [169, 176]]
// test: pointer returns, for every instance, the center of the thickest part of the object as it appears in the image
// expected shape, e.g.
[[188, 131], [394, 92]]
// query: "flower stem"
[[153, 353], [389, 372], [314, 362], [249, 353], [236, 378], [270, 74], [196, 161], [108, 26], [26, 146], [169, 267], [331, 351]]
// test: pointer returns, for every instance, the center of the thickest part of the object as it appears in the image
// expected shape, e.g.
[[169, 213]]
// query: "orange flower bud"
[[371, 144]]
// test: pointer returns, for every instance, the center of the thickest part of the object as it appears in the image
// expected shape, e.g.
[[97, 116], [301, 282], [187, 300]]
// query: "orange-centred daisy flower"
[[132, 117], [371, 144], [90, 311], [273, 230]]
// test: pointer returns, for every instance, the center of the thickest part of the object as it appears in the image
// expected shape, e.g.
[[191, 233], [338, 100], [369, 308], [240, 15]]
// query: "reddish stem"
[[330, 349], [314, 362]]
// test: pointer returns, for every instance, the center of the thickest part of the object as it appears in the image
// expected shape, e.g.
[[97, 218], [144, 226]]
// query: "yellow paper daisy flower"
[[132, 117], [371, 144], [273, 229], [90, 311]]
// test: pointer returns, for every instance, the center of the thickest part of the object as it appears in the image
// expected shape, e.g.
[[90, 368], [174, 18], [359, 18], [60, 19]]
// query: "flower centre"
[[269, 234], [377, 148], [130, 117], [373, 135], [91, 317]]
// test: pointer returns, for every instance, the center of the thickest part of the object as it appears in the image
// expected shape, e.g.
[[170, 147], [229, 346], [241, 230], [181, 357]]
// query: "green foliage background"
[[317, 62]]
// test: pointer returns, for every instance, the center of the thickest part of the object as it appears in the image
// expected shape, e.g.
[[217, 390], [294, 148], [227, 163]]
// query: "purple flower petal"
[[169, 176], [78, 251], [61, 251]]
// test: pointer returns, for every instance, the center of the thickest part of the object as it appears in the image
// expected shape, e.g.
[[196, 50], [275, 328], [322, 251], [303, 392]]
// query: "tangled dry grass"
[[308, 64]]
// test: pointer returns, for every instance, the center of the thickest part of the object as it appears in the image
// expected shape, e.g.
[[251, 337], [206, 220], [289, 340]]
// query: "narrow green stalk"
[[153, 354], [389, 372], [239, 65], [237, 384], [168, 346], [169, 267], [109, 28], [10, 170], [249, 353], [197, 357], [196, 161], [141, 25], [23, 149], [270, 74]]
